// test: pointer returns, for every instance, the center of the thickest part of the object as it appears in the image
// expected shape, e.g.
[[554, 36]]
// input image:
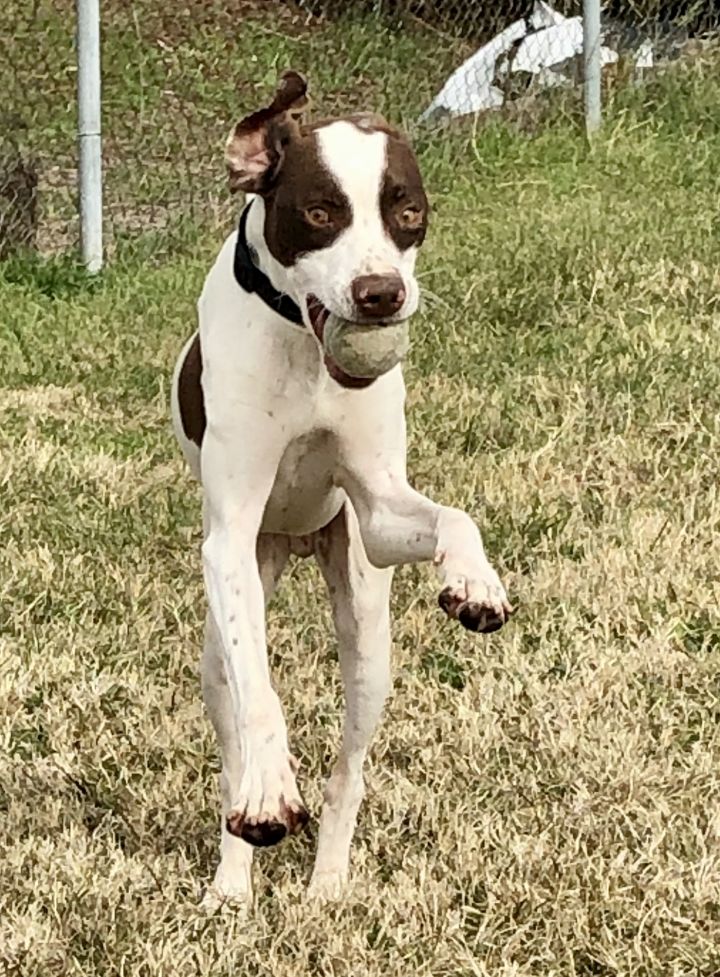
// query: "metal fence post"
[[592, 65], [89, 139]]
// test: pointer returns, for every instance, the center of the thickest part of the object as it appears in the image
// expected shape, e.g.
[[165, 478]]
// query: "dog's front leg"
[[237, 480], [399, 525]]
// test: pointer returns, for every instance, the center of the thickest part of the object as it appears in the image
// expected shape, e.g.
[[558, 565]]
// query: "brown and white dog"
[[295, 456]]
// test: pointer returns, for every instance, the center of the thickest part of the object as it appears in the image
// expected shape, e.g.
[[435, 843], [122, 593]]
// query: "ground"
[[544, 801]]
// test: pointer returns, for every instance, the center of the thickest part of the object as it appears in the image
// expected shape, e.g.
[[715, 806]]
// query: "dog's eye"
[[318, 216], [411, 217]]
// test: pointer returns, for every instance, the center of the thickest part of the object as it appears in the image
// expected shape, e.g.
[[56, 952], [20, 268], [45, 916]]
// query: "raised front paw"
[[327, 886], [478, 602]]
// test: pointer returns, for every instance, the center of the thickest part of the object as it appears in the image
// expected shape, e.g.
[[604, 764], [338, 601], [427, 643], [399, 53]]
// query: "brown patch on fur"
[[305, 183], [402, 188], [190, 394]]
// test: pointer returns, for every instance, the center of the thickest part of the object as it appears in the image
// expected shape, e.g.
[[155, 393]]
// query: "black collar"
[[249, 277]]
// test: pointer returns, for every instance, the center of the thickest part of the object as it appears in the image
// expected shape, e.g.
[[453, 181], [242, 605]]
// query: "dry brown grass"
[[548, 796]]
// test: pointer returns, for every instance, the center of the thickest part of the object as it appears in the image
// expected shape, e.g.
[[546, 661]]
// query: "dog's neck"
[[253, 279], [262, 258]]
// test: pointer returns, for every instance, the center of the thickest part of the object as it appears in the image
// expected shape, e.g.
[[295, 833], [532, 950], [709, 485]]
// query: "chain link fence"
[[174, 78]]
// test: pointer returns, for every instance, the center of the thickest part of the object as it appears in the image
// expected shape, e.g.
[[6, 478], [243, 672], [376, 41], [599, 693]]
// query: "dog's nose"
[[378, 296]]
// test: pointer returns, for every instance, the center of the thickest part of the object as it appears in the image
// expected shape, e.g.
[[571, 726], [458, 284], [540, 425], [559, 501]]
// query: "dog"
[[295, 456]]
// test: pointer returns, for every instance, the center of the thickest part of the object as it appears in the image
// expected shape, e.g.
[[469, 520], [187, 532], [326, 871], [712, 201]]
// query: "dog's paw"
[[479, 603], [265, 829], [231, 889], [327, 886], [217, 899]]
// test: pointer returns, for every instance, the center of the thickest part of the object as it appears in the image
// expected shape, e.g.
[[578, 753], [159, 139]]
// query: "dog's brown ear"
[[254, 150]]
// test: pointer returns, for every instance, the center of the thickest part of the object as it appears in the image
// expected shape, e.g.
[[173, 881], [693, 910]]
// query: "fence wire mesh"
[[176, 77], [37, 158]]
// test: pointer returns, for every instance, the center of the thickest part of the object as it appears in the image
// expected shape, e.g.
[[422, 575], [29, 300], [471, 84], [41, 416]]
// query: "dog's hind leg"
[[232, 884], [360, 597]]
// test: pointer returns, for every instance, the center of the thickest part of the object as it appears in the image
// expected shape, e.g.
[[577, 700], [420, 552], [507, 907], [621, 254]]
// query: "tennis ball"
[[363, 350]]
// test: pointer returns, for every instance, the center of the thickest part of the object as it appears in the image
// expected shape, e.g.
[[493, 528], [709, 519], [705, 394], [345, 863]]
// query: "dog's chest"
[[303, 498]]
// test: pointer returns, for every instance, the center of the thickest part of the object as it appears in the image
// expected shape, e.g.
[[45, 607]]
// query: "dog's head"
[[345, 208]]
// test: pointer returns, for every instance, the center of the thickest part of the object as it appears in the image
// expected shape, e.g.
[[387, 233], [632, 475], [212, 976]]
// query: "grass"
[[542, 803]]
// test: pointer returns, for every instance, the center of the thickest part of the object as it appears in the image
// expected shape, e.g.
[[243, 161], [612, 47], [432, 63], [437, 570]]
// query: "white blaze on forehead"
[[356, 158]]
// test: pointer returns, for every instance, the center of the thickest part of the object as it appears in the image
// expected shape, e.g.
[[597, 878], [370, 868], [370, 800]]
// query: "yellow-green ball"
[[365, 350]]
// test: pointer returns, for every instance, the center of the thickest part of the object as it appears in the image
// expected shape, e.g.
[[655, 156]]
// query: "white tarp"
[[551, 40]]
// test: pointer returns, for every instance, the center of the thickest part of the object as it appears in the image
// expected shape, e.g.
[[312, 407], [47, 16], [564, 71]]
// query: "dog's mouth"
[[319, 315]]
